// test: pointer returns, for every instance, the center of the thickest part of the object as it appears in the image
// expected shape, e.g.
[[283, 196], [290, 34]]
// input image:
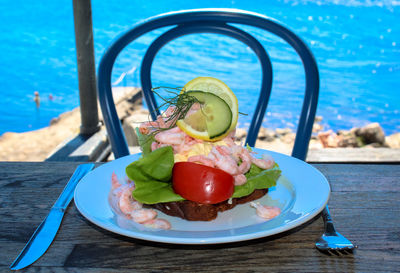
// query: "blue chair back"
[[209, 21]]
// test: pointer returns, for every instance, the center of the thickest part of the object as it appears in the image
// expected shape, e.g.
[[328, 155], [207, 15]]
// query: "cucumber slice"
[[214, 117]]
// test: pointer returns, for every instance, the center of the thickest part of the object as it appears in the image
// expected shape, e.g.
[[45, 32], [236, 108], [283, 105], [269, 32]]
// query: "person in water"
[[37, 99]]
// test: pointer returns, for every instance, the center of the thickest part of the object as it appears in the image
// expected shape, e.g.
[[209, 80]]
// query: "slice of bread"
[[193, 211]]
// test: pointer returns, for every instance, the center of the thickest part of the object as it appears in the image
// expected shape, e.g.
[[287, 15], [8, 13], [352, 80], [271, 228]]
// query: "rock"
[[267, 134], [8, 135], [318, 119], [372, 145], [282, 132], [393, 141], [329, 139], [348, 139], [317, 127], [240, 134], [288, 138], [344, 132], [372, 133], [54, 120], [352, 130], [315, 144]]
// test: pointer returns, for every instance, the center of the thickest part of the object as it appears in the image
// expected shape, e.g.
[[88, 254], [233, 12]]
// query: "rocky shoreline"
[[39, 144], [369, 136], [282, 139]]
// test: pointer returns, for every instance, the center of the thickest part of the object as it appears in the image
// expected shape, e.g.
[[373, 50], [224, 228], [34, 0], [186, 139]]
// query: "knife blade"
[[47, 230]]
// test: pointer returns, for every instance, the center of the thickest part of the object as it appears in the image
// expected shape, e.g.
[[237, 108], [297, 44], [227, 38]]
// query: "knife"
[[45, 233]]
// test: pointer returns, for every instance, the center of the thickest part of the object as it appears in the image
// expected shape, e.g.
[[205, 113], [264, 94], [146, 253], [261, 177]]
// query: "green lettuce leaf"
[[152, 175], [257, 178], [145, 142]]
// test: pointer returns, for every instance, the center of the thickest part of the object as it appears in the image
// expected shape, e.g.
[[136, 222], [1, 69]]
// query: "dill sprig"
[[182, 102]]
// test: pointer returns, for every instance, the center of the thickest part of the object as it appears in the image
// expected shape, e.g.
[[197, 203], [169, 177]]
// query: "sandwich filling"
[[190, 160]]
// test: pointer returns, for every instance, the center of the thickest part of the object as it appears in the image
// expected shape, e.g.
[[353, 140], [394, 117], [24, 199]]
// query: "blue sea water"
[[356, 45]]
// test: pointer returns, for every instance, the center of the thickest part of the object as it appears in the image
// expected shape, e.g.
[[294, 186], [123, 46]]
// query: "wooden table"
[[364, 204]]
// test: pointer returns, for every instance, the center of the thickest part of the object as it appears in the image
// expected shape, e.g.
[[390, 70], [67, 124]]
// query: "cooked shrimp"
[[142, 215], [267, 162], [201, 159], [223, 150], [171, 136], [154, 145], [116, 186], [265, 212], [229, 141], [170, 110], [144, 130], [242, 154], [147, 127], [161, 122], [223, 162], [191, 141], [114, 181], [169, 120], [128, 180], [240, 179], [186, 145], [126, 203], [157, 223], [231, 135]]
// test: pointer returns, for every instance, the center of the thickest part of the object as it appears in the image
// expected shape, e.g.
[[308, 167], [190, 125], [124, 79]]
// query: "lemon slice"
[[211, 121], [219, 113], [218, 88]]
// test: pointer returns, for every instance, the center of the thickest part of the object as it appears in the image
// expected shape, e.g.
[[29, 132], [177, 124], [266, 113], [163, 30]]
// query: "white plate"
[[301, 193]]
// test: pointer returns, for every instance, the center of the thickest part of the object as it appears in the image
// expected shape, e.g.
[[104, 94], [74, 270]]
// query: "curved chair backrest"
[[210, 21]]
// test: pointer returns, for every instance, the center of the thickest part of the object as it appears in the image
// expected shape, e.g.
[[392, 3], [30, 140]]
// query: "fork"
[[332, 242]]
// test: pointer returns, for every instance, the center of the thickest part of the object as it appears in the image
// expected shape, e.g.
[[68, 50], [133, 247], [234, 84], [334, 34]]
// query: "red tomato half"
[[201, 183]]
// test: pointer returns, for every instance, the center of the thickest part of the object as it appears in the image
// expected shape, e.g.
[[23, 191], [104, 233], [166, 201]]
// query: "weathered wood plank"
[[274, 256], [354, 155], [364, 205]]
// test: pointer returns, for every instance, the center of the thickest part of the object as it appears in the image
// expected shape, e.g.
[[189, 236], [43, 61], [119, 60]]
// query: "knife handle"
[[67, 194]]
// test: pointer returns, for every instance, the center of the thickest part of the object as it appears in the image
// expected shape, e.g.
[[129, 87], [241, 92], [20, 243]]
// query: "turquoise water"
[[356, 44]]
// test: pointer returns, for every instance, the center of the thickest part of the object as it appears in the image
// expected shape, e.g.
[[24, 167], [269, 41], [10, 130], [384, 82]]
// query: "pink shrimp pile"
[[231, 158], [162, 122], [174, 136], [133, 209]]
